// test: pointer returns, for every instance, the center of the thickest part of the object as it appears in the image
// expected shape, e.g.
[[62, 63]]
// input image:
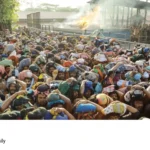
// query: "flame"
[[85, 21]]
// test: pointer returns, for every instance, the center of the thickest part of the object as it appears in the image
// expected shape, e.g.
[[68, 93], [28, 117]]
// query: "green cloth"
[[53, 97], [136, 57], [6, 62], [64, 87], [76, 87]]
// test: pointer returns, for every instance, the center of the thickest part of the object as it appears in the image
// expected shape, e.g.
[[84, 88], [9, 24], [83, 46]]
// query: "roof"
[[127, 3]]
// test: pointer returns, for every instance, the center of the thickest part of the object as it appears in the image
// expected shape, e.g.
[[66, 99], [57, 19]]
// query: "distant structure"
[[34, 19], [122, 13]]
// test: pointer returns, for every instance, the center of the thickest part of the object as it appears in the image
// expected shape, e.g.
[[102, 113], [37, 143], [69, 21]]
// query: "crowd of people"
[[140, 33], [52, 76]]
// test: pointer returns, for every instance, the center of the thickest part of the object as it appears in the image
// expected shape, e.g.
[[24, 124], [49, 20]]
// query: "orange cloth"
[[14, 59], [67, 63]]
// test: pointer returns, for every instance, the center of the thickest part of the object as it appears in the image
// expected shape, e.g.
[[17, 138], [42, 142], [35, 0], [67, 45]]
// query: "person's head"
[[89, 90], [73, 74], [138, 104], [50, 67], [37, 114], [147, 111], [111, 74], [72, 71], [41, 100], [28, 81], [88, 93], [40, 61], [75, 94], [41, 94], [61, 75], [34, 69], [137, 100], [103, 100], [85, 111], [13, 88], [114, 95], [21, 102], [7, 69], [112, 116]]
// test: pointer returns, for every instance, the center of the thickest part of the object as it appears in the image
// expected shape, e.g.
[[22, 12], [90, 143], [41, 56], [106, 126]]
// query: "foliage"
[[8, 9], [52, 8]]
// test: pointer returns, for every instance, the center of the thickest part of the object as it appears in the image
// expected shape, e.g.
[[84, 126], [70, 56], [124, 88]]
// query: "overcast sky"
[[34, 3]]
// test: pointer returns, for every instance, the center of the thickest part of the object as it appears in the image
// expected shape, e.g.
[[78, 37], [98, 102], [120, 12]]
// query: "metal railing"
[[124, 44]]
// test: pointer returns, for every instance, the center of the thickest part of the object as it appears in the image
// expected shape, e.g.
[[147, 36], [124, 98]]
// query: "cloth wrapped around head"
[[103, 99], [115, 107], [25, 74], [54, 99], [42, 89]]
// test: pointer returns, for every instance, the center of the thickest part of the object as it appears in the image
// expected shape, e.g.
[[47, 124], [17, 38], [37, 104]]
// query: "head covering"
[[123, 83], [38, 113], [64, 87], [10, 48], [137, 76], [55, 115], [14, 59], [119, 108], [72, 68], [103, 99], [84, 108], [10, 115], [34, 68], [19, 101], [100, 57], [10, 81], [55, 102], [24, 63], [109, 89], [67, 63], [6, 62], [146, 50], [145, 75], [61, 68], [88, 86], [80, 47], [53, 97], [42, 89], [25, 74]]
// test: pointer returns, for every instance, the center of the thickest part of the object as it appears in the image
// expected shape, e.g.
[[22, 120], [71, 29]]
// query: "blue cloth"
[[61, 68], [72, 68], [137, 76], [50, 104], [88, 86], [146, 50], [61, 116], [83, 108], [98, 88]]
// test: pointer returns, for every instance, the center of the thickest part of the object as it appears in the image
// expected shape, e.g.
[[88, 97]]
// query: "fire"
[[85, 21]]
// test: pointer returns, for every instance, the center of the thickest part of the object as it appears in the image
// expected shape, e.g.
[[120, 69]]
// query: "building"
[[123, 13], [45, 17]]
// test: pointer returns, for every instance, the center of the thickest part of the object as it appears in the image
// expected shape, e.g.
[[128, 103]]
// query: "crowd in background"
[[141, 33]]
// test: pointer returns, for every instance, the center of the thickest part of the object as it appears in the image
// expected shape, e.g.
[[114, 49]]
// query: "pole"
[[123, 16]]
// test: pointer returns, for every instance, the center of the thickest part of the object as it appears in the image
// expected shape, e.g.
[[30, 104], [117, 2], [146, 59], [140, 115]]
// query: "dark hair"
[[147, 111], [110, 115], [37, 114]]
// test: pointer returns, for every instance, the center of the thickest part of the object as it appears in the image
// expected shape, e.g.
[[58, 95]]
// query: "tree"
[[52, 8], [8, 15]]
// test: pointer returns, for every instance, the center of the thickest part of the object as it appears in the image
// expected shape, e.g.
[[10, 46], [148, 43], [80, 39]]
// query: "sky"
[[73, 3]]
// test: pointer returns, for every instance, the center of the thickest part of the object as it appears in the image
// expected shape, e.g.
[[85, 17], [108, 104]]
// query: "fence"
[[124, 44]]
